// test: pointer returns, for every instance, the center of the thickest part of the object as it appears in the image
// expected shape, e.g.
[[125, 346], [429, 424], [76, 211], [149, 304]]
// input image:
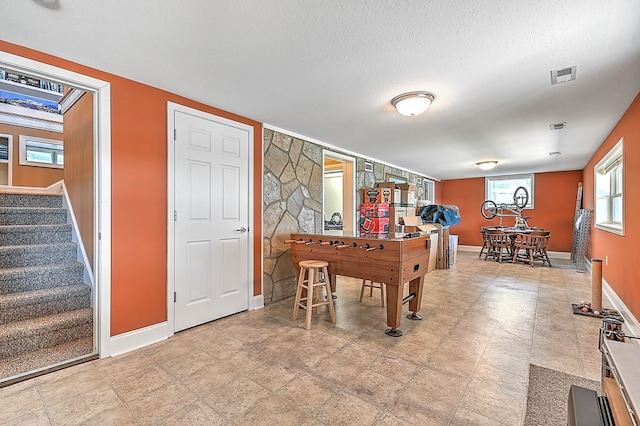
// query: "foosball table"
[[394, 262]]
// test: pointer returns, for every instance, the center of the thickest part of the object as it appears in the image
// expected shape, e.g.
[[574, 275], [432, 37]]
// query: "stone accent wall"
[[292, 202]]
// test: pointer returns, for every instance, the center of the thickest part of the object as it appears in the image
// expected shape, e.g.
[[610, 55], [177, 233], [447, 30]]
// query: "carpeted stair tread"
[[32, 304], [11, 235], [37, 254], [53, 355], [21, 337], [32, 215], [46, 314], [29, 278], [30, 200], [41, 325]]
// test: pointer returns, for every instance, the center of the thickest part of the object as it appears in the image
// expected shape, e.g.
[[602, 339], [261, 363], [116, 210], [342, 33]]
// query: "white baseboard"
[[137, 339], [631, 324], [559, 254], [257, 302]]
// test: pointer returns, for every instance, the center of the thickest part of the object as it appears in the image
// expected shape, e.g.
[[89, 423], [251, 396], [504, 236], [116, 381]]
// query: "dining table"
[[513, 235]]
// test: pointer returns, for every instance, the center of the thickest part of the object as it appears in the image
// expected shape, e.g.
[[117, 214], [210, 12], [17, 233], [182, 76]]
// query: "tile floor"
[[466, 363]]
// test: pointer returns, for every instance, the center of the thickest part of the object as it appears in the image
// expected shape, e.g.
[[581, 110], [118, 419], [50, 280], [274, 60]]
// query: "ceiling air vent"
[[558, 126], [563, 75]]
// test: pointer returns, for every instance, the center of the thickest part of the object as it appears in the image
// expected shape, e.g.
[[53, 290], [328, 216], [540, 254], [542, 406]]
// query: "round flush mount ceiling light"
[[412, 103], [486, 165]]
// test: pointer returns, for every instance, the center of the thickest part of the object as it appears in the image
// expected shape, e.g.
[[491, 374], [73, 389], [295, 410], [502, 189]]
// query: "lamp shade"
[[487, 165], [412, 103]]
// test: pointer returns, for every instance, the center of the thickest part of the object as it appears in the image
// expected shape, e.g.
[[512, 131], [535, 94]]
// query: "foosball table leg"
[[393, 332]]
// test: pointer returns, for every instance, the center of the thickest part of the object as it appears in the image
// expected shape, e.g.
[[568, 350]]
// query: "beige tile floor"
[[466, 363]]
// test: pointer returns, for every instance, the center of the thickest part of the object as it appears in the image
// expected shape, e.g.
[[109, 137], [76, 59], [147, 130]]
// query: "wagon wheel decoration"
[[521, 197], [489, 209]]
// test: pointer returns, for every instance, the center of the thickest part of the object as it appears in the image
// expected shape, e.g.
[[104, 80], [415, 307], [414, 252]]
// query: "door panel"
[[211, 201]]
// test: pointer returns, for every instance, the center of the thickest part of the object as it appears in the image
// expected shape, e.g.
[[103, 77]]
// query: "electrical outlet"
[[606, 259]]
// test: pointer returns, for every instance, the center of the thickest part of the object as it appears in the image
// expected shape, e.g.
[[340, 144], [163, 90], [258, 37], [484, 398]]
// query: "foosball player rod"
[[381, 247], [343, 245], [292, 241], [325, 243]]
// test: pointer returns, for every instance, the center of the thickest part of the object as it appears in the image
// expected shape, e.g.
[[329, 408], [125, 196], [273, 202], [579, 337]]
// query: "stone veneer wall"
[[292, 202]]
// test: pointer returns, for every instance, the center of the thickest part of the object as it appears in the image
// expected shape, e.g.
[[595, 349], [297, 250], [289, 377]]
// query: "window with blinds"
[[500, 189], [609, 188], [41, 152]]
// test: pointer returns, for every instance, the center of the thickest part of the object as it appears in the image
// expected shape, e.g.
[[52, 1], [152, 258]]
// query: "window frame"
[[530, 205], [44, 143], [611, 166]]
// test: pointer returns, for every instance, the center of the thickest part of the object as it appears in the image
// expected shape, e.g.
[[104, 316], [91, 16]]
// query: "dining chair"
[[541, 249], [528, 248], [499, 245], [485, 240]]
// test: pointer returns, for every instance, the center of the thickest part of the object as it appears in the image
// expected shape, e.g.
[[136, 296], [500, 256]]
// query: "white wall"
[[332, 194]]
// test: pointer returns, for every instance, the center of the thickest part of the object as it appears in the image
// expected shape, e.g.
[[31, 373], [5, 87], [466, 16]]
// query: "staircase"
[[46, 318]]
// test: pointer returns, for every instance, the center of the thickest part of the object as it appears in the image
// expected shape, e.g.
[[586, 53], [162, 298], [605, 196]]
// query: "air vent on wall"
[[558, 126], [563, 75]]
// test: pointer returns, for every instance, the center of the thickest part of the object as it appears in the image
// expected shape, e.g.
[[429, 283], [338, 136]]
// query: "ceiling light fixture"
[[412, 103], [486, 165]]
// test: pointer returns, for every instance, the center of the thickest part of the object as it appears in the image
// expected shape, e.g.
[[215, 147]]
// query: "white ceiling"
[[327, 70]]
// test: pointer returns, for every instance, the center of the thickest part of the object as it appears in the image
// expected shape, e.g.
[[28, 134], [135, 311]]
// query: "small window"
[[41, 152], [429, 191], [500, 189], [609, 188]]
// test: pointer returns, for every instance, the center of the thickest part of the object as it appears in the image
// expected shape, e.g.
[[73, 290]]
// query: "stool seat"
[[309, 284], [313, 264]]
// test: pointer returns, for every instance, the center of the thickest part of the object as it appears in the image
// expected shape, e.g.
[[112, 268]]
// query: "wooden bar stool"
[[312, 284], [371, 285]]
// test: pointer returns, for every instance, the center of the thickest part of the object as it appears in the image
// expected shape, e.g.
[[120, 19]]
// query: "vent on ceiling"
[[554, 153], [563, 75], [558, 126]]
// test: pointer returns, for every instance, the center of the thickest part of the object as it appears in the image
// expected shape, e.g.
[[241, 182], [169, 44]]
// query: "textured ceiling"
[[327, 70]]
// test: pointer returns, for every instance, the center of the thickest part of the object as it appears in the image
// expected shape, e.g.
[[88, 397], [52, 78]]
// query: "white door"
[[211, 193]]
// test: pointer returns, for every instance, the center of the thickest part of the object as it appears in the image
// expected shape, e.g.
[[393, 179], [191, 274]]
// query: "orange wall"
[[554, 202], [30, 175], [622, 272], [139, 193]]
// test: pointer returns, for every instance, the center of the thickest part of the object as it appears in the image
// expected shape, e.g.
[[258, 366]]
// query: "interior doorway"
[[101, 185], [338, 201]]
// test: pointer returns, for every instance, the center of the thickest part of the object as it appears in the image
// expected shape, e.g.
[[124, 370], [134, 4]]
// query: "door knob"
[[241, 230]]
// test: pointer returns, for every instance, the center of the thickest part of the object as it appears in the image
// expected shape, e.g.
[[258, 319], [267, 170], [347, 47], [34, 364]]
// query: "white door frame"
[[172, 108], [102, 182], [327, 153]]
